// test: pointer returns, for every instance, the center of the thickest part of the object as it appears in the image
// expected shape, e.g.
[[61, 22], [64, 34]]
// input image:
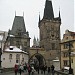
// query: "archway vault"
[[38, 55]]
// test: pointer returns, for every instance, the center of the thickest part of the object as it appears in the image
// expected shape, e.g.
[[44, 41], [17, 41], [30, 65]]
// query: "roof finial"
[[59, 15], [39, 16], [59, 12], [15, 13], [23, 14]]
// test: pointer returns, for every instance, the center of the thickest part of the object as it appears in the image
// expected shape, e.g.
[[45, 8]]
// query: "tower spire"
[[59, 12], [48, 11], [15, 13], [59, 15], [23, 14], [39, 17], [34, 42]]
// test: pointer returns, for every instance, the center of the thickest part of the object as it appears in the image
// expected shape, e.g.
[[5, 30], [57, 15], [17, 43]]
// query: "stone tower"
[[49, 29], [18, 36]]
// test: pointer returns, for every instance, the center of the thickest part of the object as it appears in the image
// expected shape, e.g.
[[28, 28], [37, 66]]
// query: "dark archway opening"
[[37, 60]]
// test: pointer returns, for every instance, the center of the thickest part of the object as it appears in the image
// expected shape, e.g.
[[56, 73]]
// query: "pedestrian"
[[52, 69], [16, 69], [48, 70], [41, 68], [44, 68], [33, 70], [25, 68], [20, 69], [38, 69], [29, 69]]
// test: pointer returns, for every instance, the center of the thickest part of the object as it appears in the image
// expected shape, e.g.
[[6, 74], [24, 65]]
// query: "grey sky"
[[31, 9]]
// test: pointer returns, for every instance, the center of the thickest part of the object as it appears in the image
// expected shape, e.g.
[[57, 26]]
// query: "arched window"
[[10, 56], [17, 56]]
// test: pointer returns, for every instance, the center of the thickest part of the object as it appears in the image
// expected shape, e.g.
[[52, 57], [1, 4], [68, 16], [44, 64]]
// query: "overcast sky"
[[31, 9]]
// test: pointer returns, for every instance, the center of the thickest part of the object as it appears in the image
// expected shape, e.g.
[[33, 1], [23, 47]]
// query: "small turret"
[[34, 42], [59, 16], [39, 18]]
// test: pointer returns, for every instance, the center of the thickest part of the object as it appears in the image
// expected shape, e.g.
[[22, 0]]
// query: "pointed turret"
[[34, 42], [59, 16], [37, 42], [39, 18], [48, 11], [15, 13], [59, 13], [23, 14]]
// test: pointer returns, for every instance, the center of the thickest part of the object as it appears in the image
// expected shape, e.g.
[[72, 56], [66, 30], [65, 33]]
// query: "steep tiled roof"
[[48, 11], [18, 24]]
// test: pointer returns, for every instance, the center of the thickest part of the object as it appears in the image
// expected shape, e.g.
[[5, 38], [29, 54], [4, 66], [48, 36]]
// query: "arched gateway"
[[36, 57]]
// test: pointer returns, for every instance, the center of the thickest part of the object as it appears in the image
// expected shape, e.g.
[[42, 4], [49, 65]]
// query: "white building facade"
[[12, 56]]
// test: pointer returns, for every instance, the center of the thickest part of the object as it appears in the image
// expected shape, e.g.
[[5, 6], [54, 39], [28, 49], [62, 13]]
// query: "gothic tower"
[[18, 36], [49, 29]]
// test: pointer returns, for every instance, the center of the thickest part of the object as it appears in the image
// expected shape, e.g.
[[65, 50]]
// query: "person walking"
[[44, 68], [52, 69], [38, 69], [16, 69], [41, 68], [48, 70], [33, 70], [29, 69], [25, 68], [20, 69]]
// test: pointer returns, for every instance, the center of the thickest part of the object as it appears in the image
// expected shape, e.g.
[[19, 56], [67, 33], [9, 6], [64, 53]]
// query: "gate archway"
[[37, 59]]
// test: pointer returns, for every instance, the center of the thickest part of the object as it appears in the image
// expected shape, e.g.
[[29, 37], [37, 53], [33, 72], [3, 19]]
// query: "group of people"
[[51, 69], [23, 68], [41, 69], [19, 69], [31, 69]]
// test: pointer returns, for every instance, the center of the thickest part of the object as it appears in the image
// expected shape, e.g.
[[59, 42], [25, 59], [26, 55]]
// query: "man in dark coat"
[[52, 69]]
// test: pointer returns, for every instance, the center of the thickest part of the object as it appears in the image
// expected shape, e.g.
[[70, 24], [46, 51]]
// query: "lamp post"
[[70, 69]]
